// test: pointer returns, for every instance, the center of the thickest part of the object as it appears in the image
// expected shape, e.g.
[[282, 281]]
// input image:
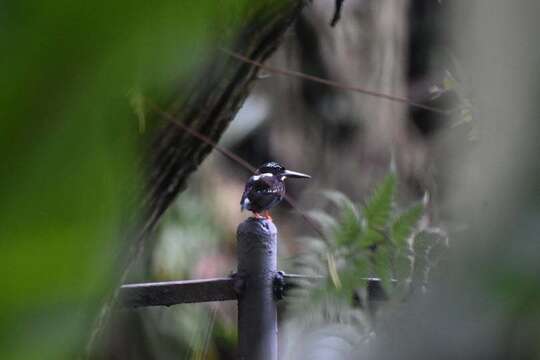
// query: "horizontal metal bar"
[[287, 276], [217, 289], [177, 292], [374, 286], [319, 277]]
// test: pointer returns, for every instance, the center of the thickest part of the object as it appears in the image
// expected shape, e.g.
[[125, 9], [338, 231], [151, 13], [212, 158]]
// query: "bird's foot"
[[267, 215], [264, 216]]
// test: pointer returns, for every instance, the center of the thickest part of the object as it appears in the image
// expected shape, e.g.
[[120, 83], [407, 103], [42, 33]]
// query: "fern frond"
[[382, 261], [371, 237], [358, 247], [403, 226], [349, 230], [378, 209]]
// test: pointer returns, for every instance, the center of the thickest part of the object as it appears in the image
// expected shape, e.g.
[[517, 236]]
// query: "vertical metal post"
[[257, 266]]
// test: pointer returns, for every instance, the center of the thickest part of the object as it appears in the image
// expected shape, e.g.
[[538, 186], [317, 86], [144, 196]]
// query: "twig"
[[337, 13], [332, 83]]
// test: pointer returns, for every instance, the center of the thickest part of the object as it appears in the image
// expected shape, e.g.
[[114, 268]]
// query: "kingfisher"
[[266, 189]]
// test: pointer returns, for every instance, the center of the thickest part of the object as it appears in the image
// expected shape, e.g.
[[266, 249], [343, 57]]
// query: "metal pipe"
[[257, 267], [177, 292]]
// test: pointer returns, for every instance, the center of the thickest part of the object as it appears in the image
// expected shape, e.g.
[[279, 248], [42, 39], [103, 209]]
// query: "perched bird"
[[266, 189]]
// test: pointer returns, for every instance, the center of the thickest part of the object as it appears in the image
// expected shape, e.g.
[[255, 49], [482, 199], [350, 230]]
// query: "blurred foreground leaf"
[[68, 145]]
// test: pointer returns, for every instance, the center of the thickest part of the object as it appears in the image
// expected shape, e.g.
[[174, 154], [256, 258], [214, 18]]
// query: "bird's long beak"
[[294, 174]]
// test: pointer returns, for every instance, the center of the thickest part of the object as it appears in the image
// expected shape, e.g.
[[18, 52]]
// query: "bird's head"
[[277, 170]]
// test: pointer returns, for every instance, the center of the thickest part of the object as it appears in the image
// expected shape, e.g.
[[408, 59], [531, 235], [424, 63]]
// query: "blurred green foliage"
[[374, 240], [332, 317], [189, 245], [187, 234], [69, 145]]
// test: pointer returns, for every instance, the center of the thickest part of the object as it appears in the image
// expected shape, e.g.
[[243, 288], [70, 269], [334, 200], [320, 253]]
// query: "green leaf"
[[404, 224], [377, 210], [371, 237], [361, 265], [349, 230], [352, 278], [383, 267]]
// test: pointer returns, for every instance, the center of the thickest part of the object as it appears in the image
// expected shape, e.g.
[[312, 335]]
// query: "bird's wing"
[[256, 184], [244, 202]]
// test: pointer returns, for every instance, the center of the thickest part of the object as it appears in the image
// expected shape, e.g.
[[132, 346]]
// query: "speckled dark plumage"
[[266, 188]]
